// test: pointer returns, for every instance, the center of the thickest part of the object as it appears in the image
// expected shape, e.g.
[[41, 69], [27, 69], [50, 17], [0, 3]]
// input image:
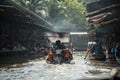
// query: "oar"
[[86, 55]]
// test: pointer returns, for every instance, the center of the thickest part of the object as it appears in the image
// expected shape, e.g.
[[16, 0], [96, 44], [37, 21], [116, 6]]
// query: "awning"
[[109, 28], [11, 12], [99, 5]]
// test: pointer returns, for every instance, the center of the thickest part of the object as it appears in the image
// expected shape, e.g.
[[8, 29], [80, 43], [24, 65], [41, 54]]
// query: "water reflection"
[[39, 70]]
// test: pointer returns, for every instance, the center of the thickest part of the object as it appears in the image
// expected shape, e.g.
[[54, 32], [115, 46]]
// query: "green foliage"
[[75, 12], [53, 10], [84, 2], [48, 9]]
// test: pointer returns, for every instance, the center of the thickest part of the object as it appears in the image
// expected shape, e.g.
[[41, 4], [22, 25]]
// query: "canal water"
[[38, 69]]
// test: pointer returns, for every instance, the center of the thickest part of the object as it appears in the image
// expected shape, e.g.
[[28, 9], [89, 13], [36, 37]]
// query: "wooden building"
[[104, 23], [104, 20], [20, 30], [20, 26]]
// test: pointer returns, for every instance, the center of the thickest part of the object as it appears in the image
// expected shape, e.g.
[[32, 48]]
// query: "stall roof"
[[9, 11], [104, 10], [105, 16], [109, 28], [101, 4]]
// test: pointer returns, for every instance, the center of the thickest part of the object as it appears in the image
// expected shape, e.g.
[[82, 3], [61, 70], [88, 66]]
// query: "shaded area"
[[21, 29], [103, 24], [15, 57], [20, 26]]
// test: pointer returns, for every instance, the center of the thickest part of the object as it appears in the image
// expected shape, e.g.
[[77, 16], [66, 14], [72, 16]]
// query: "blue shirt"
[[97, 48]]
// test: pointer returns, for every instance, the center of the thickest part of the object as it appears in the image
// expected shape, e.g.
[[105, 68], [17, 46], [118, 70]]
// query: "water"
[[38, 69]]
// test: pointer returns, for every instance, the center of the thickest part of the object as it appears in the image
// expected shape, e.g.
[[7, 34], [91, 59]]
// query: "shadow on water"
[[20, 64]]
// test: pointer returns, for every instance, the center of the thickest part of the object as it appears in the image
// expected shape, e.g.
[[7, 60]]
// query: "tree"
[[54, 11], [75, 12]]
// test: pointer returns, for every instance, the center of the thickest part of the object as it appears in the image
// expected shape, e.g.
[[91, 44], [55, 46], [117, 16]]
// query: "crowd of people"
[[107, 53]]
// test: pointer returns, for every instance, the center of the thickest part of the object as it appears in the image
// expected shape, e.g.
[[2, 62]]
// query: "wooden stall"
[[104, 23], [20, 26], [20, 31]]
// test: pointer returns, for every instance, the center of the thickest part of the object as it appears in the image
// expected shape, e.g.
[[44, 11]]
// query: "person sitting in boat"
[[98, 50], [65, 53], [37, 48], [68, 56], [53, 52], [50, 56], [58, 49], [110, 52], [59, 45]]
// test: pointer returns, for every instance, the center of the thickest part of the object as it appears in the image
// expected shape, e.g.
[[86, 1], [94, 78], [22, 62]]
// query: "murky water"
[[38, 69]]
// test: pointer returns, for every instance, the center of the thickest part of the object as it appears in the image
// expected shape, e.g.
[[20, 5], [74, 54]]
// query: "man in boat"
[[66, 54], [56, 51], [98, 50], [59, 45]]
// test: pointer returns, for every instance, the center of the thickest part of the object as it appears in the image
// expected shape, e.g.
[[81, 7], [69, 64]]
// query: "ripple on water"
[[39, 70]]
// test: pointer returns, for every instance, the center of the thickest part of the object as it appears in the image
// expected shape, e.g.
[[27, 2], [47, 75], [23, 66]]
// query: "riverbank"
[[13, 57]]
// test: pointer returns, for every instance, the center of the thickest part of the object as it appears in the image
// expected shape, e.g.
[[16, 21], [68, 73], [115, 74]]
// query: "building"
[[104, 22], [20, 30], [79, 40], [20, 26]]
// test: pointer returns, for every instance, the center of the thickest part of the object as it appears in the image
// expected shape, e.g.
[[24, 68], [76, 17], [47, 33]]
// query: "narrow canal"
[[38, 69]]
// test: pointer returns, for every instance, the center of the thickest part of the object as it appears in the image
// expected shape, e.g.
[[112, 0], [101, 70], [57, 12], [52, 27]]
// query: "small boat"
[[59, 56]]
